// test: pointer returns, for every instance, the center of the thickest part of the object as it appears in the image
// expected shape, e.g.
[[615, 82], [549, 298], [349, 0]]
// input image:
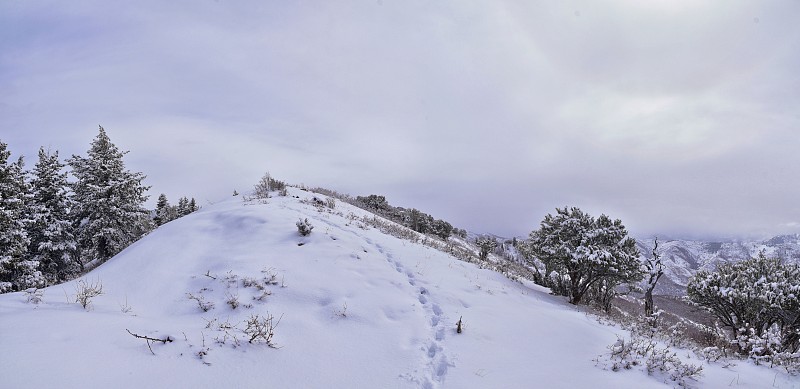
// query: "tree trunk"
[[655, 270], [649, 307]]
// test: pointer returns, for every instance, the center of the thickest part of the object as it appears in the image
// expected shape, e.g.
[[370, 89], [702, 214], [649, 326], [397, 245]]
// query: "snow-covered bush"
[[758, 300], [767, 348], [711, 354], [85, 292], [268, 184], [644, 351], [29, 276], [582, 251], [304, 227], [261, 190], [34, 295]]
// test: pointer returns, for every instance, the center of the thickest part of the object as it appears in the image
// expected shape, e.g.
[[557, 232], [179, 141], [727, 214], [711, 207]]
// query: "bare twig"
[[149, 339]]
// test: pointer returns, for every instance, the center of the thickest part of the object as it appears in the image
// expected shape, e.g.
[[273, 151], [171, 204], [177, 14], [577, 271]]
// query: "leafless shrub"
[[232, 300], [342, 312], [231, 279], [203, 353], [261, 329], [263, 296], [85, 292], [34, 295], [201, 302], [250, 282], [125, 307], [270, 276]]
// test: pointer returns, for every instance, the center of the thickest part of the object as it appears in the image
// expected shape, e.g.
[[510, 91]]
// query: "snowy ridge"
[[354, 308]]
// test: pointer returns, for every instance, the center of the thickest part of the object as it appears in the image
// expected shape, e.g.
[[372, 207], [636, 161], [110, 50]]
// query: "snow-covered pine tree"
[[193, 205], [16, 271], [183, 207], [51, 232], [108, 213], [164, 212]]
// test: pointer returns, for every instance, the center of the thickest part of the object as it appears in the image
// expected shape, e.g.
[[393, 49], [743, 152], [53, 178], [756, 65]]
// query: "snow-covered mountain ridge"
[[683, 258], [352, 307]]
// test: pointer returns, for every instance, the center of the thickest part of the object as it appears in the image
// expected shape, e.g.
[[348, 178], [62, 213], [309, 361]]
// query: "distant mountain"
[[683, 258]]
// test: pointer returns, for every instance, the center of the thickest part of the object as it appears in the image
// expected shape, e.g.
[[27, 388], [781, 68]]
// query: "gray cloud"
[[678, 117]]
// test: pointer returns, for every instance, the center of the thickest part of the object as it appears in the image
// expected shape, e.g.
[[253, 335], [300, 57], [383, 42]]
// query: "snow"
[[357, 308]]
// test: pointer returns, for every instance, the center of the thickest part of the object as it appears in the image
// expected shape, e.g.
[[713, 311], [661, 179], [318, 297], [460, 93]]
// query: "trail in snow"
[[436, 362]]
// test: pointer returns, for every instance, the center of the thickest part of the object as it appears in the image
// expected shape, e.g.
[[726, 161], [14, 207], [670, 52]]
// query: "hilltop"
[[347, 306]]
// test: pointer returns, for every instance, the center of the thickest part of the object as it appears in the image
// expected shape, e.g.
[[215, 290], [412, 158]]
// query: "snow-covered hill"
[[683, 258], [351, 308]]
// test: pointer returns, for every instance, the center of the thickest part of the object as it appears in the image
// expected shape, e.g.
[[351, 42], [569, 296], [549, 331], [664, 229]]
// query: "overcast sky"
[[679, 117]]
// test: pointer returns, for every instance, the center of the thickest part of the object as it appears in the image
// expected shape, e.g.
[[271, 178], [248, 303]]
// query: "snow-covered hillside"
[[354, 308]]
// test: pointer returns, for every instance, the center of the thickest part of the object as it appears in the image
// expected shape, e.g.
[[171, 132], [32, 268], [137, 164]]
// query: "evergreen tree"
[[16, 272], [486, 244], [442, 228], [109, 213], [163, 211], [753, 298], [193, 205], [183, 207], [51, 233], [580, 252]]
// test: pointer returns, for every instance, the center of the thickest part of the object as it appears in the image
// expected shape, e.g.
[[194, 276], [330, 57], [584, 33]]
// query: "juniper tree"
[[51, 233], [581, 251], [374, 203], [109, 198], [442, 229], [486, 244], [752, 298]]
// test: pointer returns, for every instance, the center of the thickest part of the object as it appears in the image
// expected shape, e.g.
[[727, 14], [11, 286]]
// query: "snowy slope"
[[357, 308]]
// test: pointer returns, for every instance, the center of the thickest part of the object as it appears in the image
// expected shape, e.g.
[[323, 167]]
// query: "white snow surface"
[[357, 309]]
